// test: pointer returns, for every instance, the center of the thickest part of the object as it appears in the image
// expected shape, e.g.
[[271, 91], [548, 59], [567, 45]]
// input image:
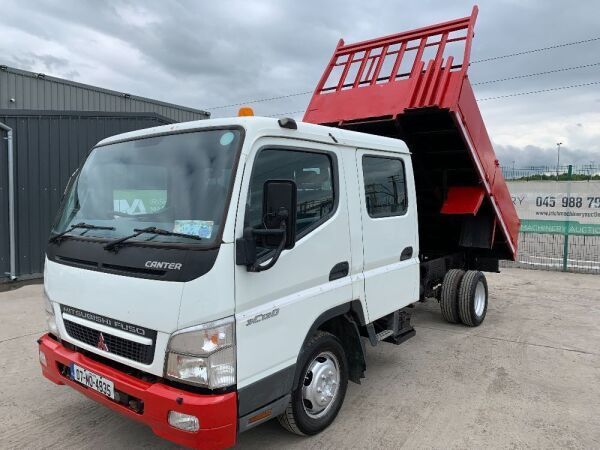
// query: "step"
[[384, 334]]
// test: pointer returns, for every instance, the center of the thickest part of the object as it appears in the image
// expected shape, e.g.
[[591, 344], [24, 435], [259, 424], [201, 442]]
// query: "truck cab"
[[164, 300]]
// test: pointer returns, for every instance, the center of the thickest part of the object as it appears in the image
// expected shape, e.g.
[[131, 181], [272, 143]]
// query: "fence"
[[558, 252], [560, 217], [587, 172]]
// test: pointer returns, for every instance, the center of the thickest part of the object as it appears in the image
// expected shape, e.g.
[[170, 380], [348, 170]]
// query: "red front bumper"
[[217, 413]]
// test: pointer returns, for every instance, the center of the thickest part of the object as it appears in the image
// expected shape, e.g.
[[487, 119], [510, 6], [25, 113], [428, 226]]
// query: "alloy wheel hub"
[[479, 299], [320, 385]]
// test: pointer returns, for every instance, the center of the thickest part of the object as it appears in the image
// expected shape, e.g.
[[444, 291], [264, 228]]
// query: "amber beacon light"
[[245, 111]]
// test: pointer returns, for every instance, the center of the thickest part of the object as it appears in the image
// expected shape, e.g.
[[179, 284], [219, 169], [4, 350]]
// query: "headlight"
[[50, 317], [203, 355]]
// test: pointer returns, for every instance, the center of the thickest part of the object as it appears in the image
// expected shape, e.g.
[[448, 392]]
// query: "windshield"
[[179, 183]]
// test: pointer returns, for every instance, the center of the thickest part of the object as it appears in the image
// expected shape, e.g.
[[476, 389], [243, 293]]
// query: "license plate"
[[93, 381]]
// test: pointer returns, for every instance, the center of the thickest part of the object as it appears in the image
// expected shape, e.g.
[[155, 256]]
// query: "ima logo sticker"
[[135, 207]]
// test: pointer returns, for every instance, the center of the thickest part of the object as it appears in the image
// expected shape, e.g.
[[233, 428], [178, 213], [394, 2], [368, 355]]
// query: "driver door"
[[276, 308]]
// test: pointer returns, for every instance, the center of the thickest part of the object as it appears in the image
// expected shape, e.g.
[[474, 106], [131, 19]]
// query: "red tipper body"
[[217, 414], [414, 86]]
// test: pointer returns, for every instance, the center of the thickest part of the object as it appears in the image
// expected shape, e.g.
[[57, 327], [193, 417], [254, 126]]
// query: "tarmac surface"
[[528, 377]]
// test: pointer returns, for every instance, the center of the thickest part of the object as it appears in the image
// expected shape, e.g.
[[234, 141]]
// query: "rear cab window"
[[385, 186]]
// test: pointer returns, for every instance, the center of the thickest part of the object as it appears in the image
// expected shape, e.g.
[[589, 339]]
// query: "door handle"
[[406, 254], [340, 270]]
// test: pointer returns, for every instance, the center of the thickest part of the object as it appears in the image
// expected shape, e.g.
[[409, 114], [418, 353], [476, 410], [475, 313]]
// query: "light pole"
[[558, 144]]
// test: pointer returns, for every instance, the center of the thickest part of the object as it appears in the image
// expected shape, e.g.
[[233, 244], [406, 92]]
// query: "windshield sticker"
[[227, 138], [139, 201], [202, 228]]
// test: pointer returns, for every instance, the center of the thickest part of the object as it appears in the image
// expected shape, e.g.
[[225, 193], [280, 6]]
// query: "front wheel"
[[321, 389]]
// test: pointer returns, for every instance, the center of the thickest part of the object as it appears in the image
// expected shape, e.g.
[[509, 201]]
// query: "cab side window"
[[385, 186], [313, 174]]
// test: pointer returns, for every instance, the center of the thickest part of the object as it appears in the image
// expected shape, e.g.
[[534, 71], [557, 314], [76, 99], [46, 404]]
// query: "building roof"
[[23, 90]]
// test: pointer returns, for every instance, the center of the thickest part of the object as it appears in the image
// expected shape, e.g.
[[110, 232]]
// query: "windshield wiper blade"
[[162, 232], [80, 225], [114, 245]]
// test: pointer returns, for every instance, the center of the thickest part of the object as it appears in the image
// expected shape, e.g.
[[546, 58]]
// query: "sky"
[[205, 55]]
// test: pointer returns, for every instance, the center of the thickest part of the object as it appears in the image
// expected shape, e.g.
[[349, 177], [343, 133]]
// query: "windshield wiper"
[[85, 226], [114, 245]]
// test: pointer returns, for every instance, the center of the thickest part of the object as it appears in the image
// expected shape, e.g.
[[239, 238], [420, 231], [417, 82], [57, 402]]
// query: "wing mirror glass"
[[279, 219], [279, 212]]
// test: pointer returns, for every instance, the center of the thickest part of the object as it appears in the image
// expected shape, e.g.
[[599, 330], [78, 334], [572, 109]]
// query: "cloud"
[[29, 60], [208, 54]]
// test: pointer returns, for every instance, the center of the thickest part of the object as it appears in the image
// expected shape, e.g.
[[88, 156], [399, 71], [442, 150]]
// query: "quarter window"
[[313, 174], [385, 186]]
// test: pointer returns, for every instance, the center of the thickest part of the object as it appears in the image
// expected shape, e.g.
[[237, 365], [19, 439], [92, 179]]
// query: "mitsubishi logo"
[[101, 344]]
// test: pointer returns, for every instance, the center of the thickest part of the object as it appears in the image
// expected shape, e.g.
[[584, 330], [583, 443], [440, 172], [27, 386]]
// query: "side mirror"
[[279, 208], [279, 219]]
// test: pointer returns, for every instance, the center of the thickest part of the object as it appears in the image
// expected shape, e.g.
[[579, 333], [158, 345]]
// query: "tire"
[[449, 295], [473, 298], [320, 355]]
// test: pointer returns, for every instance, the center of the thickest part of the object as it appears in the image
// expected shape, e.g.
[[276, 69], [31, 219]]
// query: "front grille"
[[116, 345]]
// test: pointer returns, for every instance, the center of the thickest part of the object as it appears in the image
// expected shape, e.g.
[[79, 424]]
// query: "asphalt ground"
[[528, 377]]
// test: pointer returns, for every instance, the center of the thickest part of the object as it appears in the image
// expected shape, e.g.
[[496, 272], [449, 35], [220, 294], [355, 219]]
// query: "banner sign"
[[557, 207]]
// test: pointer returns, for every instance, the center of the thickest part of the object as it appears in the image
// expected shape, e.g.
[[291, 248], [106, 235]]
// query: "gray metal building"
[[47, 126]]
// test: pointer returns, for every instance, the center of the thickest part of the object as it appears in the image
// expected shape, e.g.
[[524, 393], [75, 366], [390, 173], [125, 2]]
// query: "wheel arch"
[[342, 321]]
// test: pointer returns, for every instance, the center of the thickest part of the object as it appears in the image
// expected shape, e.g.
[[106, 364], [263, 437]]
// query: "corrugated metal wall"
[[31, 91], [48, 148]]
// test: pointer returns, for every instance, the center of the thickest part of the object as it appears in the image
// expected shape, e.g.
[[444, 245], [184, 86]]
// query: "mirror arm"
[[282, 230]]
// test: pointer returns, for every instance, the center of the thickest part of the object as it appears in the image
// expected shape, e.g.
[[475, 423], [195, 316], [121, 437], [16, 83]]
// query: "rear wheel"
[[473, 298], [321, 387], [449, 295]]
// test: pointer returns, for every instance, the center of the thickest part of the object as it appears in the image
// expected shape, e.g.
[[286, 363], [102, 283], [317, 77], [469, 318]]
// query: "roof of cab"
[[266, 126]]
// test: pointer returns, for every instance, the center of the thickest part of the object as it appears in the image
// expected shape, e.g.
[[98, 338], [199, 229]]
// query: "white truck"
[[208, 276]]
